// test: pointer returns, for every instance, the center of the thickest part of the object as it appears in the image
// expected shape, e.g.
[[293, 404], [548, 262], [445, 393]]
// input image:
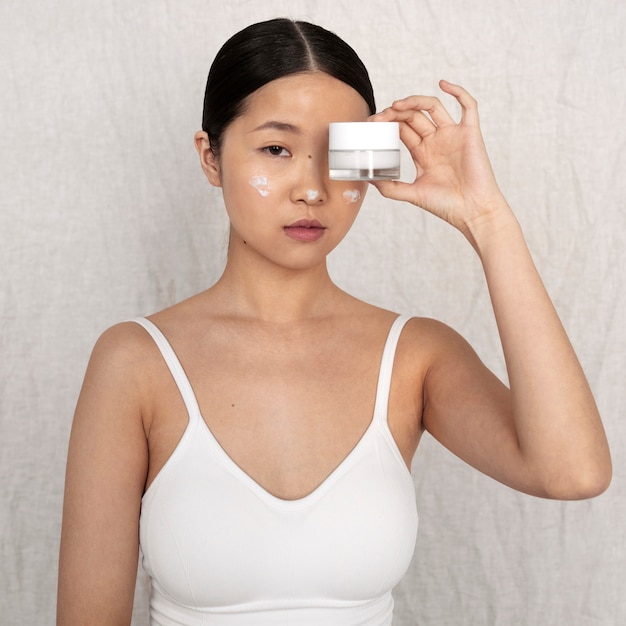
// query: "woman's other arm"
[[106, 472]]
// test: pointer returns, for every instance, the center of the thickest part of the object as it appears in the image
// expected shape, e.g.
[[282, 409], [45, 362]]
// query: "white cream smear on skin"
[[261, 184], [312, 194], [351, 196]]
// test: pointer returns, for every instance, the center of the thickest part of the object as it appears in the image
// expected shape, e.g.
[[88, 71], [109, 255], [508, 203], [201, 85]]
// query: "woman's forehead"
[[306, 94]]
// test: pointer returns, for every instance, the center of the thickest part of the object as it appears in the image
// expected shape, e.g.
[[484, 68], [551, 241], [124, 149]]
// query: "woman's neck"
[[269, 293]]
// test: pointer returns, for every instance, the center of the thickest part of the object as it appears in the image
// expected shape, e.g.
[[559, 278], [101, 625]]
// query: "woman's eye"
[[277, 151]]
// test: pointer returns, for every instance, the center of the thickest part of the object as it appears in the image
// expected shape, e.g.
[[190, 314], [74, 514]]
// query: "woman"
[[256, 439]]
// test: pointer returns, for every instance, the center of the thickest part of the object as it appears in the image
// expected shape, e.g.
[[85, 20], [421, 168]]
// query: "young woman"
[[255, 440]]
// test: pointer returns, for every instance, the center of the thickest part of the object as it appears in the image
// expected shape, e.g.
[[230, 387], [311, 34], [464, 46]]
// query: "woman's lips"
[[305, 230]]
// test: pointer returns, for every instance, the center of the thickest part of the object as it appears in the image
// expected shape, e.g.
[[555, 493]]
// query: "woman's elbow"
[[586, 481]]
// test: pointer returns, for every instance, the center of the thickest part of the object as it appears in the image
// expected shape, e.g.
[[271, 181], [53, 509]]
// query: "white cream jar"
[[364, 150]]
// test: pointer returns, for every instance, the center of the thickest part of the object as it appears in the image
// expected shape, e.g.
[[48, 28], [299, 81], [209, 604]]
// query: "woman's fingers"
[[395, 190], [427, 113], [468, 104], [414, 124], [426, 104]]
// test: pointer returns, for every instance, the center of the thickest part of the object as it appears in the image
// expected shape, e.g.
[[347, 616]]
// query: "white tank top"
[[222, 551]]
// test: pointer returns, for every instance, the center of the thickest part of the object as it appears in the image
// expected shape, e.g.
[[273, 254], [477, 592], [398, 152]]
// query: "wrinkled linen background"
[[105, 215]]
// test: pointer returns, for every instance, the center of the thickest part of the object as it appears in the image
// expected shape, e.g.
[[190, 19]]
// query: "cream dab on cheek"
[[351, 196], [261, 184]]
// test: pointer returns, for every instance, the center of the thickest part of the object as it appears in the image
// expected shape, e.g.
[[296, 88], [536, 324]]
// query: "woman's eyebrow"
[[280, 126]]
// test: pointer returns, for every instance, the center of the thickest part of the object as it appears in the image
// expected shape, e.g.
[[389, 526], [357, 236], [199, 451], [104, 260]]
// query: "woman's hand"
[[454, 179]]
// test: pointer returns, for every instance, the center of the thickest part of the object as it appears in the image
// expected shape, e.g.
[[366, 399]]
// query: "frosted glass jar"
[[364, 150]]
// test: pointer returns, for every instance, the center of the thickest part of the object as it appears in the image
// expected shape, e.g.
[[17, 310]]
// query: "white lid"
[[364, 136]]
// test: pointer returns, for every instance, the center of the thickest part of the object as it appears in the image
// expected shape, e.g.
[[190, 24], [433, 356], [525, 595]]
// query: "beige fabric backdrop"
[[104, 215]]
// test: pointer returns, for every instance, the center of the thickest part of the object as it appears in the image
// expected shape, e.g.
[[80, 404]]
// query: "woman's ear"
[[208, 160]]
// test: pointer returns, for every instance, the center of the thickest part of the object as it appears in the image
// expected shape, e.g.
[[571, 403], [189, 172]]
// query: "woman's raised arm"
[[545, 436]]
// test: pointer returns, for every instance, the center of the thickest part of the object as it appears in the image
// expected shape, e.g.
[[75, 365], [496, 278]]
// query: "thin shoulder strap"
[[176, 369], [386, 367]]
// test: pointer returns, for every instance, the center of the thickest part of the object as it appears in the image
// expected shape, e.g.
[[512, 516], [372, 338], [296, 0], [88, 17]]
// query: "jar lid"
[[364, 136]]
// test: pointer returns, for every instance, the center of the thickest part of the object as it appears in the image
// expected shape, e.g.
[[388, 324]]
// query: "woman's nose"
[[311, 184]]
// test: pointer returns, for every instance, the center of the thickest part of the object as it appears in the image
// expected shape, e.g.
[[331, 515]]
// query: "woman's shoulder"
[[130, 340], [432, 338], [416, 326], [429, 328], [423, 341], [123, 340], [124, 351]]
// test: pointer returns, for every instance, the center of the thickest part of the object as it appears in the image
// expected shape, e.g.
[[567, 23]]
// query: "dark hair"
[[269, 50]]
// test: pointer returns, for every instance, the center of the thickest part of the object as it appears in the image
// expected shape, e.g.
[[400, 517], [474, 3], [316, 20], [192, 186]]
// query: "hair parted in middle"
[[266, 51]]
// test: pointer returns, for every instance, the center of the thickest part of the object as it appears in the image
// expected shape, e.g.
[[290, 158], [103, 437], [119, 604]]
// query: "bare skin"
[[284, 363]]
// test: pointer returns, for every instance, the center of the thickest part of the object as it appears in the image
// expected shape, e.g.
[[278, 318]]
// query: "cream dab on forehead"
[[351, 195], [261, 184]]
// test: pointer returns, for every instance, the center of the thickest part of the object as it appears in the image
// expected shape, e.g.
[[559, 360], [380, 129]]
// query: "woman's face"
[[273, 169]]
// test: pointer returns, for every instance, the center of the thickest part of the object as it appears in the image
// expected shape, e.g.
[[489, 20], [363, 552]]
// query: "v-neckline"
[[267, 495], [195, 415]]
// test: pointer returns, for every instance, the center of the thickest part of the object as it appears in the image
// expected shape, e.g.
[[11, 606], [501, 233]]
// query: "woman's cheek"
[[352, 196], [261, 183]]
